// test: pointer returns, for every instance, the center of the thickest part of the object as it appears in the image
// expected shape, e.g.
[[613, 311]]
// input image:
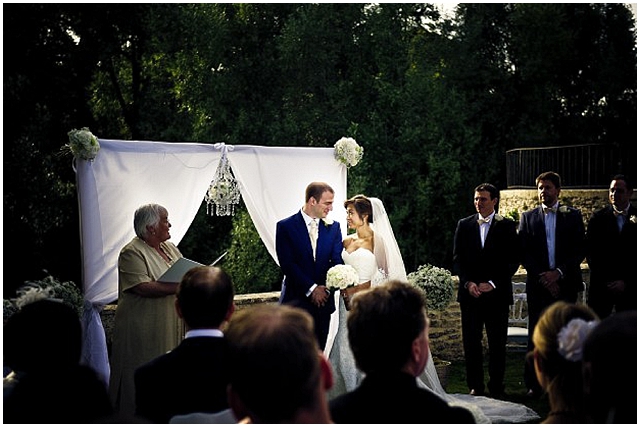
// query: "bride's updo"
[[362, 205]]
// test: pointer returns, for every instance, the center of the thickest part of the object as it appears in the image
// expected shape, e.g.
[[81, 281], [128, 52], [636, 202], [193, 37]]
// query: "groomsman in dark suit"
[[552, 240], [611, 252], [485, 257], [193, 377], [307, 245]]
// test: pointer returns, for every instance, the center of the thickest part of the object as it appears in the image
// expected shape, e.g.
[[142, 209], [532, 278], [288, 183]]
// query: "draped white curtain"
[[128, 174]]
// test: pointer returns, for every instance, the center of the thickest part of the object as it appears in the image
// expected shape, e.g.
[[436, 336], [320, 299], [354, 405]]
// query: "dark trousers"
[[495, 319]]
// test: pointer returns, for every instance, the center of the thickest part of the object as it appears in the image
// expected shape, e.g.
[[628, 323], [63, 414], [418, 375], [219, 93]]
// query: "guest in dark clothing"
[[42, 345], [388, 334], [611, 252], [193, 377], [485, 257], [552, 245], [609, 360]]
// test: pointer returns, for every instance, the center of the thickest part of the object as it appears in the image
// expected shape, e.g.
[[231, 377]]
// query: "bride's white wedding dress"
[[346, 375]]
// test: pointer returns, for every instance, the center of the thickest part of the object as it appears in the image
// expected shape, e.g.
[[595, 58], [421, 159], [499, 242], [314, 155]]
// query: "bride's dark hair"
[[361, 204]]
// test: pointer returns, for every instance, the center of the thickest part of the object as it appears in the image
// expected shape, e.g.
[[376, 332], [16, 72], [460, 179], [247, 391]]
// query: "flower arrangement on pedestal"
[[437, 284]]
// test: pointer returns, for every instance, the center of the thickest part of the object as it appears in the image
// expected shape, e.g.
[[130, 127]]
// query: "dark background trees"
[[435, 103]]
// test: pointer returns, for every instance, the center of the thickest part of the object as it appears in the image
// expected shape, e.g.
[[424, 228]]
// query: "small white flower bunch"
[[571, 338], [348, 152], [83, 144], [341, 277], [47, 288], [437, 284]]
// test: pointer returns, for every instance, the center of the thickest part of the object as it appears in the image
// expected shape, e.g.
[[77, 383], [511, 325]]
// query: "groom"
[[307, 246]]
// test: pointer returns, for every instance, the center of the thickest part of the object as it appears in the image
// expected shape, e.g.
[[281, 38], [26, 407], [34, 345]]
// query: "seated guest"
[[557, 359], [389, 336], [193, 377], [278, 372], [42, 345], [608, 362]]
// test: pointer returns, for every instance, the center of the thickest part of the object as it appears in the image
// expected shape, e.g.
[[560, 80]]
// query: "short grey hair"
[[145, 216]]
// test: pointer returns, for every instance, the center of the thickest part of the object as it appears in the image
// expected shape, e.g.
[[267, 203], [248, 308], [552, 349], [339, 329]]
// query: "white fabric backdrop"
[[128, 174]]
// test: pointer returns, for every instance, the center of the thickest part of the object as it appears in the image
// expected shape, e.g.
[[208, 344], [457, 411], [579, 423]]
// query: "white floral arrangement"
[[341, 277], [632, 218], [572, 336], [83, 144], [47, 288], [348, 152], [437, 284]]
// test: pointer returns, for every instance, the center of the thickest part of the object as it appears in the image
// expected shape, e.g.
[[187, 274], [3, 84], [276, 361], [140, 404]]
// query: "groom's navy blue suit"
[[301, 271]]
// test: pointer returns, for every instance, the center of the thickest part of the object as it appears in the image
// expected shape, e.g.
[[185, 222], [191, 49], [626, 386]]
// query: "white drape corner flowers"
[[348, 152], [83, 144]]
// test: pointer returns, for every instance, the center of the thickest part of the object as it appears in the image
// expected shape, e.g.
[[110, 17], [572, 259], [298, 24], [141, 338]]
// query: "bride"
[[373, 251]]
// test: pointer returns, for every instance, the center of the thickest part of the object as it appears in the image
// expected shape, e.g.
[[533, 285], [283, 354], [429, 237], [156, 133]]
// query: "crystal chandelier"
[[223, 190]]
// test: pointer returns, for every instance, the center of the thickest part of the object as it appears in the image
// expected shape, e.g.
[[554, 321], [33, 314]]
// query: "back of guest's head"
[[610, 358], [43, 335], [275, 362], [553, 177], [316, 190], [147, 215], [558, 338], [362, 205], [205, 297], [393, 313]]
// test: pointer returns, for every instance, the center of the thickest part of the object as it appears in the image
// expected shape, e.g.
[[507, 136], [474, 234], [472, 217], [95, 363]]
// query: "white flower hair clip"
[[571, 338]]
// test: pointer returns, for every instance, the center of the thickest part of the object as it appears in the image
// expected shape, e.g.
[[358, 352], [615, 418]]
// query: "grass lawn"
[[514, 383]]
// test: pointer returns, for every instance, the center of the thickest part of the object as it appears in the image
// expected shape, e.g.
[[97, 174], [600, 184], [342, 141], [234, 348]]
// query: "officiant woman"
[[146, 324]]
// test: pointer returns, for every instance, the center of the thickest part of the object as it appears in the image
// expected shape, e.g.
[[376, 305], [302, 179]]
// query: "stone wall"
[[588, 201]]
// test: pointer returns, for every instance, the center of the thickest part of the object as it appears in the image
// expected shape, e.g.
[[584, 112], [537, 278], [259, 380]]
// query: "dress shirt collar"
[[307, 218], [553, 208], [193, 333], [624, 212]]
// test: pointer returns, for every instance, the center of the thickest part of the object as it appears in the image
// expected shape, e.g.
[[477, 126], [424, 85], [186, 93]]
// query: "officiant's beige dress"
[[144, 328]]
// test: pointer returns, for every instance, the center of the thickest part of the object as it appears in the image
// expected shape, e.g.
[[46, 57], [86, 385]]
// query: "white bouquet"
[[341, 277], [348, 151], [83, 144]]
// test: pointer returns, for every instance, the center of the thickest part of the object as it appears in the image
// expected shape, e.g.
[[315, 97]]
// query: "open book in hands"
[[180, 267]]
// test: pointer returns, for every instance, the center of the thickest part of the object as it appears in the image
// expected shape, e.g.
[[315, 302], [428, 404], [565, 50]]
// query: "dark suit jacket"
[[497, 261], [611, 253], [301, 271], [570, 251], [394, 398], [190, 378]]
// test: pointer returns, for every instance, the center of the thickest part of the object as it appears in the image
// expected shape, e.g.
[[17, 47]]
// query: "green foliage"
[[248, 261], [434, 103]]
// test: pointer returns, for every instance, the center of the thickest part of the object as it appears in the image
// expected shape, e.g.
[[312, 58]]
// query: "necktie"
[[484, 220], [313, 235], [549, 210], [616, 212]]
